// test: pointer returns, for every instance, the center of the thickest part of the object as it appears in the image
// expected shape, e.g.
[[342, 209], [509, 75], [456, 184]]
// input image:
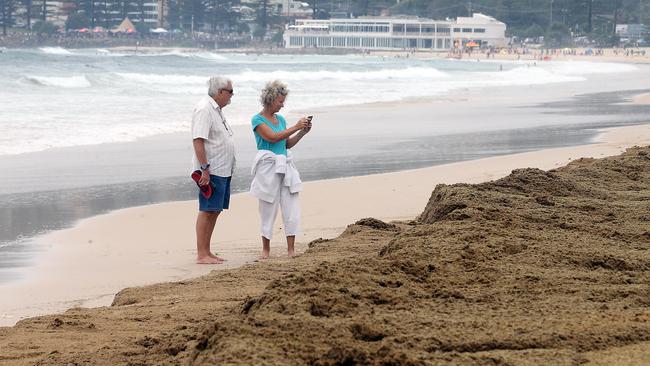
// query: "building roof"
[[477, 18]]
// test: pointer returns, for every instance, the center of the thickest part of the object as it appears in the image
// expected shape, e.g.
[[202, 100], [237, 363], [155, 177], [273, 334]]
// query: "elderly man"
[[214, 157]]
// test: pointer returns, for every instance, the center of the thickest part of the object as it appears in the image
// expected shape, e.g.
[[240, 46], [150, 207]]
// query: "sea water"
[[54, 97], [84, 132]]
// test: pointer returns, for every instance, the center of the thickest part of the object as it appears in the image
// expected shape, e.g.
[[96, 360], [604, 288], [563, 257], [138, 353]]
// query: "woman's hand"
[[306, 129], [302, 124]]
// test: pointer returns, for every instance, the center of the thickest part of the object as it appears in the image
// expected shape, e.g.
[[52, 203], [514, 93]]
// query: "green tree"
[[173, 14], [192, 14], [265, 18], [558, 35], [7, 9], [278, 37], [534, 31], [219, 14], [28, 13], [41, 27], [142, 28], [77, 21]]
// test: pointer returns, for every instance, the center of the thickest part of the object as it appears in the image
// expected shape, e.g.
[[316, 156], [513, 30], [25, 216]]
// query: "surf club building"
[[399, 33]]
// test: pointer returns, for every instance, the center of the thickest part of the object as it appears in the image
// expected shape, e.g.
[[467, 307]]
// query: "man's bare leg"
[[291, 240], [205, 222], [266, 248], [213, 223]]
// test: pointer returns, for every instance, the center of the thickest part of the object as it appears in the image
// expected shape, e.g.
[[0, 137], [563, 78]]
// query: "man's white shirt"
[[209, 124]]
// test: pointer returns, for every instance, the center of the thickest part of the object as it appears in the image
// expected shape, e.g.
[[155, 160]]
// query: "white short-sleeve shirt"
[[209, 124]]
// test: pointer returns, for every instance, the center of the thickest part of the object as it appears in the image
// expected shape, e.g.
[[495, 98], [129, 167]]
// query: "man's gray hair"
[[272, 90], [217, 83]]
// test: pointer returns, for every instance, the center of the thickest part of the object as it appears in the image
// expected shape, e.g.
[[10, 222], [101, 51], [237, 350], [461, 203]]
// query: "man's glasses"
[[231, 91]]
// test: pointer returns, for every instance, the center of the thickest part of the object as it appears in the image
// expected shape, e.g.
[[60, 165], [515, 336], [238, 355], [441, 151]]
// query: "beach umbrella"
[[158, 30], [471, 44]]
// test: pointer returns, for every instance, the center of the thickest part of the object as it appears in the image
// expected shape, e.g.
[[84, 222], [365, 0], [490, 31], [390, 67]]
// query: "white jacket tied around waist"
[[271, 171]]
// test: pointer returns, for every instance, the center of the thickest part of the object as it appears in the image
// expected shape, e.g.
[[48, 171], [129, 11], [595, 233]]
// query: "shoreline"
[[78, 269], [610, 54], [534, 268]]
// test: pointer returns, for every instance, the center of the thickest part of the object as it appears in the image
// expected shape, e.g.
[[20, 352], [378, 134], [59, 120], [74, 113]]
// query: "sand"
[[537, 267], [87, 265], [642, 99]]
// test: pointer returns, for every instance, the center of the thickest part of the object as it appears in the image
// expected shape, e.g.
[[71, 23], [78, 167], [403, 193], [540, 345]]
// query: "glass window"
[[479, 30], [467, 30], [457, 30], [295, 41], [443, 30], [398, 28], [428, 28], [413, 28]]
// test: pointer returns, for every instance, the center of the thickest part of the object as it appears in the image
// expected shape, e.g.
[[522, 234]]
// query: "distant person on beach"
[[213, 161], [276, 181]]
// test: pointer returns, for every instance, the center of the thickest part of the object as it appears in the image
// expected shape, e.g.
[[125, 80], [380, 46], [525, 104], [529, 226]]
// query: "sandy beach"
[[155, 243], [642, 99], [89, 263], [392, 278]]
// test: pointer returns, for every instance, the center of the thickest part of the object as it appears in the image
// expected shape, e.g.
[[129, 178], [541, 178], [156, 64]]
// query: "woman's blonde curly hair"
[[272, 90]]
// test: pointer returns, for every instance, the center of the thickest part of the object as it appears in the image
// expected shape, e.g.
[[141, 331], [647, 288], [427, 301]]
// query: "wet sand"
[[642, 99], [536, 267]]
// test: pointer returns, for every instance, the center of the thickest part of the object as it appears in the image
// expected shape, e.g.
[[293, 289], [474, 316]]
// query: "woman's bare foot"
[[208, 260]]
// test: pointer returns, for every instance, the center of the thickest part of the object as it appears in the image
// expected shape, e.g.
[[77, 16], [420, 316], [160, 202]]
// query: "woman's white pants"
[[289, 204]]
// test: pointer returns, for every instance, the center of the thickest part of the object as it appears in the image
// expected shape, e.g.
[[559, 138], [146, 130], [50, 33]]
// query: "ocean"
[[84, 132], [53, 97]]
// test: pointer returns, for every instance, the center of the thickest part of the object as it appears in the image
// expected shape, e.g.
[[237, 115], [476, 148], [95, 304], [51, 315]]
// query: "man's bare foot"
[[208, 260], [217, 257], [293, 255]]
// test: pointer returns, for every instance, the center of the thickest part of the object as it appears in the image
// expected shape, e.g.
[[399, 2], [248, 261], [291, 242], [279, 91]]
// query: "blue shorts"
[[220, 199]]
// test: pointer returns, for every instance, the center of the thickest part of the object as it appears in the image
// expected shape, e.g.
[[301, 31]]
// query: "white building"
[[480, 28], [395, 33]]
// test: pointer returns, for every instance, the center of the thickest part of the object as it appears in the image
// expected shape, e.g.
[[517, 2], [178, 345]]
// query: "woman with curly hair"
[[276, 182]]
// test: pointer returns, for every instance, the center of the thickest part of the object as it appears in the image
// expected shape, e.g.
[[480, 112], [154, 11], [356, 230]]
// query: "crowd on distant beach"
[[548, 54]]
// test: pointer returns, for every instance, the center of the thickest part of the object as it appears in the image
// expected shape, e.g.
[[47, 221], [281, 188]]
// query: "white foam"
[[209, 56], [415, 73], [166, 79], [55, 51], [170, 53], [129, 88], [69, 82], [587, 68], [530, 75]]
